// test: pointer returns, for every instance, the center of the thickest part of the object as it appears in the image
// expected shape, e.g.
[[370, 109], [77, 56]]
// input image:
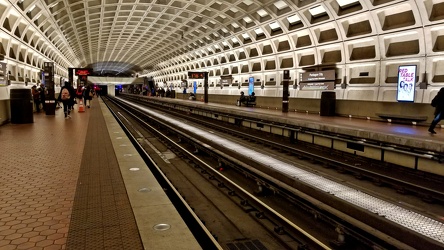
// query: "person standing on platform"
[[36, 97], [438, 103], [42, 91], [67, 96], [242, 99], [79, 92], [87, 95]]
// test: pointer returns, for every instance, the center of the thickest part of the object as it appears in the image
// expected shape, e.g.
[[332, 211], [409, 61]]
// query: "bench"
[[250, 101], [403, 118]]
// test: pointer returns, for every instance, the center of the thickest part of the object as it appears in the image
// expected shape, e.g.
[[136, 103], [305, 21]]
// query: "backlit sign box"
[[250, 85], [317, 80], [226, 80], [3, 77], [406, 83], [314, 76], [196, 75], [317, 85], [83, 72]]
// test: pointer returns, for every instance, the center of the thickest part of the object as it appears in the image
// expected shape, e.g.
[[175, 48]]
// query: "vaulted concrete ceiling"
[[135, 35]]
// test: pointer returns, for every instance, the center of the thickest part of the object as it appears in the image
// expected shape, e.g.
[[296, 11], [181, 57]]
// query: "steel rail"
[[210, 241], [230, 182]]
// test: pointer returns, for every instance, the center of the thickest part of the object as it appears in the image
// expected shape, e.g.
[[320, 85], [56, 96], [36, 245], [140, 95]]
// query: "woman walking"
[[438, 103]]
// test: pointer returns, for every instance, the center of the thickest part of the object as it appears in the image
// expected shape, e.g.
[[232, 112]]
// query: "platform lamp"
[[262, 85], [423, 84], [344, 83]]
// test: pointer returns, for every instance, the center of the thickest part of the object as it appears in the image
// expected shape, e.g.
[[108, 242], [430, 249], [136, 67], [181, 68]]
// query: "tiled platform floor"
[[48, 175]]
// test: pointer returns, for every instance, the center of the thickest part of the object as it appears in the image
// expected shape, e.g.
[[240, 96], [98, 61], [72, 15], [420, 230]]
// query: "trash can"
[[21, 106], [328, 103]]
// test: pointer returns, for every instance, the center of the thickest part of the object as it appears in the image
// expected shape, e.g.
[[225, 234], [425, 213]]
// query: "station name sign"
[[196, 75], [315, 76], [317, 80], [226, 80], [83, 72]]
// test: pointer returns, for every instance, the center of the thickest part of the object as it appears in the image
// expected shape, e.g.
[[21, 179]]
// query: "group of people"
[[246, 99], [405, 91], [39, 96], [68, 96]]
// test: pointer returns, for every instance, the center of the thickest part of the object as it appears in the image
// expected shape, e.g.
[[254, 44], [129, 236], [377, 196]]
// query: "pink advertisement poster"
[[406, 83]]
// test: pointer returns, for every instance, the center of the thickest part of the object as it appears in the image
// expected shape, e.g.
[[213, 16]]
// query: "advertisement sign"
[[406, 83], [250, 85], [194, 87], [3, 76], [285, 92], [48, 77]]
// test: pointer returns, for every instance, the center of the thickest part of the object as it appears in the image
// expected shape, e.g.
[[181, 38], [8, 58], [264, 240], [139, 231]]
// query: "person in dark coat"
[[88, 94], [36, 96], [242, 99], [42, 91], [67, 100], [438, 103]]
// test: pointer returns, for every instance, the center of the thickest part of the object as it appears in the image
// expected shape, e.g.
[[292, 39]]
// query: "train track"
[[405, 181], [336, 224], [227, 230]]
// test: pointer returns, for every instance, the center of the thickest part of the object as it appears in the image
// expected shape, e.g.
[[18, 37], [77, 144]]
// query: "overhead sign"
[[196, 75], [406, 83], [226, 80], [83, 72], [317, 80], [326, 75], [317, 85]]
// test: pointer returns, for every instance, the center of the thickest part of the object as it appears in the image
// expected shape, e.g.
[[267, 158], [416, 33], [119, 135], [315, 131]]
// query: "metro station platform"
[[75, 184]]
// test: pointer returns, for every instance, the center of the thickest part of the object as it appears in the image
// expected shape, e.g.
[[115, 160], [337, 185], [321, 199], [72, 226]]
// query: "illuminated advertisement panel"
[[196, 75], [3, 77], [83, 72], [406, 83], [250, 85]]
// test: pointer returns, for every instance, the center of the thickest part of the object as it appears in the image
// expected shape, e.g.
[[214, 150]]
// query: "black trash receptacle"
[[21, 106], [328, 103]]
